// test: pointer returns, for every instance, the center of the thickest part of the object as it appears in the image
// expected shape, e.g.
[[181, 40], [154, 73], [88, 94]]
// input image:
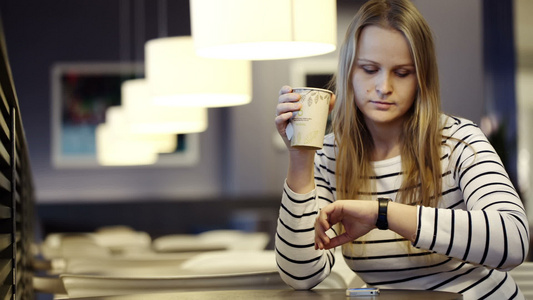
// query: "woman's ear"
[[332, 102]]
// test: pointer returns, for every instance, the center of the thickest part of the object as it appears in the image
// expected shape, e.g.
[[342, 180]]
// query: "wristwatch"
[[381, 222]]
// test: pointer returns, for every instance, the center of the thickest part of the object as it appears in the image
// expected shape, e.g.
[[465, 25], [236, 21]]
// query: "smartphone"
[[362, 292]]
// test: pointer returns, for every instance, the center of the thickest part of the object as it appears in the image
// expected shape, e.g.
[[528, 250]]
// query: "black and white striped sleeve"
[[299, 264], [493, 230]]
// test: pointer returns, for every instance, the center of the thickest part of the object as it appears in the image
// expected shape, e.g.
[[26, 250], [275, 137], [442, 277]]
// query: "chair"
[[212, 241], [121, 239]]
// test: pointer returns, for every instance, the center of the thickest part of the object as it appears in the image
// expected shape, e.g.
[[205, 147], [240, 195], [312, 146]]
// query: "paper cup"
[[308, 126]]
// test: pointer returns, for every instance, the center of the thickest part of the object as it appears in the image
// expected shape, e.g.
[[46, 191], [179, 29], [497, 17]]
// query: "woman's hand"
[[287, 105], [300, 176], [357, 216]]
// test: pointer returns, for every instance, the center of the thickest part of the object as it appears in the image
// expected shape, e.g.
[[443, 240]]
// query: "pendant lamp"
[[144, 117], [116, 146], [178, 77], [263, 29]]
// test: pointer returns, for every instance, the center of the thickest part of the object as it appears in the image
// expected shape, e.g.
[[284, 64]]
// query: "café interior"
[[194, 208]]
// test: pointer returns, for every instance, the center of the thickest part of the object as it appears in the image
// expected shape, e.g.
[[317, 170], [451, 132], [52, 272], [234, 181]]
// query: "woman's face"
[[384, 76]]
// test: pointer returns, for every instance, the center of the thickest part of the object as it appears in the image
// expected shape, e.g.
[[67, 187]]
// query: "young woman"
[[423, 199]]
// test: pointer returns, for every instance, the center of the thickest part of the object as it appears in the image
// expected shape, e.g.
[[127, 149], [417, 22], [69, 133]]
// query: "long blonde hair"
[[421, 135]]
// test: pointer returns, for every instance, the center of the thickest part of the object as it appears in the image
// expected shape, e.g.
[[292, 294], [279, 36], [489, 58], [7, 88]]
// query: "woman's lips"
[[381, 105]]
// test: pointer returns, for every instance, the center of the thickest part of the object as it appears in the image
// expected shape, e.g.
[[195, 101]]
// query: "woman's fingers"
[[285, 89], [322, 224], [287, 106], [338, 240], [287, 102]]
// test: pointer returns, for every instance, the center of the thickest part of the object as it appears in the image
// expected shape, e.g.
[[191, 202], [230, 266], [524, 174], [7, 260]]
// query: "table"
[[324, 294]]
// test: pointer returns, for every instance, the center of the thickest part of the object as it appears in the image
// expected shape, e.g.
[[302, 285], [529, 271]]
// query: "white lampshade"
[[118, 122], [113, 149], [263, 29], [117, 146], [143, 116], [177, 76]]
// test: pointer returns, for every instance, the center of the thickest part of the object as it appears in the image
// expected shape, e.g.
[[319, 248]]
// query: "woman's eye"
[[369, 70], [402, 73]]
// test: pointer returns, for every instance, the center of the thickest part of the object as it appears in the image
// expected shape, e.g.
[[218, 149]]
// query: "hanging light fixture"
[[263, 29], [117, 146], [145, 118], [113, 149], [178, 77]]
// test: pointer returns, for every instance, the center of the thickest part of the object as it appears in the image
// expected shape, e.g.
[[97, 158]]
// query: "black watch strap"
[[381, 222]]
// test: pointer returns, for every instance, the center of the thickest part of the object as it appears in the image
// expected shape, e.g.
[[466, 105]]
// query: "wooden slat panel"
[[16, 197], [5, 155], [5, 241], [16, 190], [5, 269], [4, 101], [17, 163], [7, 291], [5, 184], [4, 127], [17, 178], [17, 236], [18, 255], [5, 212], [18, 274]]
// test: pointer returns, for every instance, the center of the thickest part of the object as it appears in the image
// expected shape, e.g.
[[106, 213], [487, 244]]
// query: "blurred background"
[[485, 55]]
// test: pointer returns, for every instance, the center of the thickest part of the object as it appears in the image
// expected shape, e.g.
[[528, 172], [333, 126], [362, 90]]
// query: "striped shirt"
[[478, 231]]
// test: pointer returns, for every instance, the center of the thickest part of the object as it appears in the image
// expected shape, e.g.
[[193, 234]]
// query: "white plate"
[[222, 262], [212, 241]]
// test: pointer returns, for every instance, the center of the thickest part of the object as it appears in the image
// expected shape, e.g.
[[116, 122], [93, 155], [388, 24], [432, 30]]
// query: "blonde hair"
[[421, 135]]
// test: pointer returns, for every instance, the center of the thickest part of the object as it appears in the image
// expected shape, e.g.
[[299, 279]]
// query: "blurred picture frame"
[[80, 95]]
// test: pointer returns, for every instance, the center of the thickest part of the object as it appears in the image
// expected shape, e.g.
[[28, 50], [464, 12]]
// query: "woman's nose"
[[384, 85]]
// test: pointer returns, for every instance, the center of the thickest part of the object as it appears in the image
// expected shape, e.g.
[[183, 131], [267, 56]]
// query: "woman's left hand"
[[357, 217]]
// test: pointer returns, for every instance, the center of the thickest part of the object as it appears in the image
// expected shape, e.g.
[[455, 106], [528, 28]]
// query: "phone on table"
[[362, 292]]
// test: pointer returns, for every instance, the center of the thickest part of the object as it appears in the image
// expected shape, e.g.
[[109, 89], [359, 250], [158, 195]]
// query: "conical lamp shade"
[[145, 117], [113, 149], [177, 76], [117, 146], [263, 29]]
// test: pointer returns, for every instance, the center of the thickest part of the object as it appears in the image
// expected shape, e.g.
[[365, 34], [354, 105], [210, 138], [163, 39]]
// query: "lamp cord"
[[162, 18]]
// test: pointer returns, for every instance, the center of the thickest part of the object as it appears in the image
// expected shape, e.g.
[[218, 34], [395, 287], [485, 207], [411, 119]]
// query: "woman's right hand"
[[300, 172], [287, 105]]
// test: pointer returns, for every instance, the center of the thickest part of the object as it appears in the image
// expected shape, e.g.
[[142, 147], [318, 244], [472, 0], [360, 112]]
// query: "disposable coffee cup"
[[307, 127]]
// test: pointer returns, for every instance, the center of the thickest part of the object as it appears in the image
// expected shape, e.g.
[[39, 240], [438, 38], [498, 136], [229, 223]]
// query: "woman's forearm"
[[300, 175], [402, 220]]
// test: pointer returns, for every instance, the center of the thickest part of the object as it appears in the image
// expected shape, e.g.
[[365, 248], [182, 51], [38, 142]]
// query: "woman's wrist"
[[401, 219], [300, 175]]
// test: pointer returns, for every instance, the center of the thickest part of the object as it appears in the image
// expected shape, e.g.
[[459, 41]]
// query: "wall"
[[458, 29], [238, 156], [524, 91]]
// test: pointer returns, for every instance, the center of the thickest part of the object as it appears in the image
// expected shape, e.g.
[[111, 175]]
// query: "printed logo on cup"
[[309, 124]]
